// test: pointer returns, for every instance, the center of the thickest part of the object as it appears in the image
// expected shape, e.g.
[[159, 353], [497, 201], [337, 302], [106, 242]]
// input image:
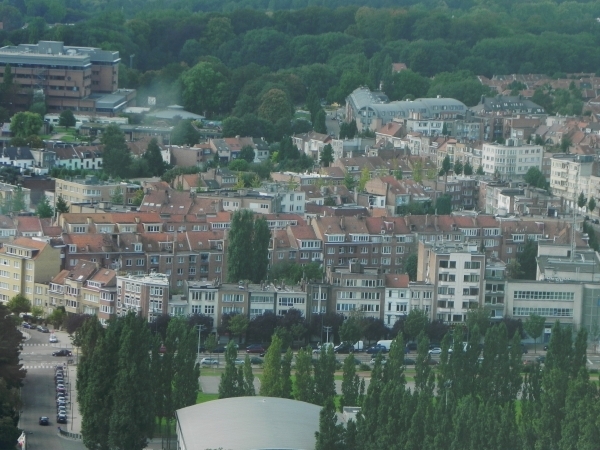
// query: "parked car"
[[256, 360], [596, 221], [26, 325], [62, 409], [62, 352], [220, 349], [411, 346], [376, 349], [435, 351], [44, 421], [545, 348], [409, 362], [209, 362], [60, 403], [344, 347], [541, 359], [53, 339], [42, 329], [255, 348], [61, 418]]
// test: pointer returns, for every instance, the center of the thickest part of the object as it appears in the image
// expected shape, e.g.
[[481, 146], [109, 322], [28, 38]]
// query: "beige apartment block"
[[91, 190], [24, 263]]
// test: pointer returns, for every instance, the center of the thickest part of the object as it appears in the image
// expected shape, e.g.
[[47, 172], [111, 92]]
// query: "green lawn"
[[202, 397]]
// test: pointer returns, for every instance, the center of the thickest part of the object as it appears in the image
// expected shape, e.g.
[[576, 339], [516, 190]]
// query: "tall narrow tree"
[[271, 382], [239, 246], [261, 237]]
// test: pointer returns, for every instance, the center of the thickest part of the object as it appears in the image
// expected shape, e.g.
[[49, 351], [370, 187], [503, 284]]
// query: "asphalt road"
[[39, 393]]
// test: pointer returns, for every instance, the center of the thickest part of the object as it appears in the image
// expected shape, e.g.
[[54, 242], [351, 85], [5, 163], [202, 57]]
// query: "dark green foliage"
[[480, 170], [293, 273], [25, 124], [536, 178], [240, 246], [261, 236], [443, 204], [534, 326], [327, 155], [324, 377], [458, 168], [468, 169], [581, 200], [304, 385], [411, 266], [527, 260], [350, 384], [286, 374], [184, 133], [67, 119], [229, 386], [319, 122], [116, 157], [247, 154], [153, 156], [44, 210]]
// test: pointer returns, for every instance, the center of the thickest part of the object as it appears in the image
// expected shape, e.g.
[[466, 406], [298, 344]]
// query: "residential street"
[[38, 393]]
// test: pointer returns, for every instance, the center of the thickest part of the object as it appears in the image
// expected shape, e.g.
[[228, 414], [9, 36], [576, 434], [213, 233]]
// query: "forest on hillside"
[[233, 58]]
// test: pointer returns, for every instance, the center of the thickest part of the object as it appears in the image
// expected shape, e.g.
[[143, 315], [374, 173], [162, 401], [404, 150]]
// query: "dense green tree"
[[116, 157], [536, 178], [24, 124], [446, 167], [480, 170], [61, 205], [11, 370], [275, 104], [528, 260], [57, 317], [271, 382], [324, 376], [327, 155], [261, 237], [184, 133], [154, 158], [19, 304], [319, 123], [458, 167], [248, 387], [247, 153], [443, 204], [238, 325], [468, 169], [411, 266], [304, 382], [44, 210], [229, 387], [581, 200], [186, 367], [240, 246], [331, 434], [352, 330], [349, 181], [416, 322], [67, 119], [350, 384], [417, 171], [591, 205], [203, 88], [408, 84], [286, 374], [534, 326], [132, 416]]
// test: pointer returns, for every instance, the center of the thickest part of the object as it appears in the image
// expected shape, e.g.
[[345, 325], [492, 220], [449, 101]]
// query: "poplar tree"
[[132, 417], [350, 384], [304, 385], [239, 246], [286, 374], [325, 376], [271, 382], [331, 434], [228, 387], [249, 389], [187, 369], [261, 236]]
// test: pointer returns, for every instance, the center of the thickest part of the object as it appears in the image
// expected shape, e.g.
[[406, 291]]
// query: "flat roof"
[[261, 423]]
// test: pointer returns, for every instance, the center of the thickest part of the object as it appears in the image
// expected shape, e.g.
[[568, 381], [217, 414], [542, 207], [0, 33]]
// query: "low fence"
[[69, 435]]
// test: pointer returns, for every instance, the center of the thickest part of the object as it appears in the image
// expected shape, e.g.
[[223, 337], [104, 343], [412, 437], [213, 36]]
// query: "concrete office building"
[[70, 77], [511, 161]]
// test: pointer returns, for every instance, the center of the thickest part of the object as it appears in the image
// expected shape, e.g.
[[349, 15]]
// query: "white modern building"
[[511, 160], [569, 176]]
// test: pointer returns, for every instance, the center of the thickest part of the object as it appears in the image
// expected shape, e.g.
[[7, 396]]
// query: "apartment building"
[[357, 288], [458, 273], [570, 176], [146, 295], [511, 161], [291, 199], [25, 262], [11, 196], [91, 190], [495, 287], [397, 299], [312, 144], [68, 76]]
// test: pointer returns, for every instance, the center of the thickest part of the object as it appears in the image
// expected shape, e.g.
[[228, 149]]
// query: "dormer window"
[[137, 247]]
